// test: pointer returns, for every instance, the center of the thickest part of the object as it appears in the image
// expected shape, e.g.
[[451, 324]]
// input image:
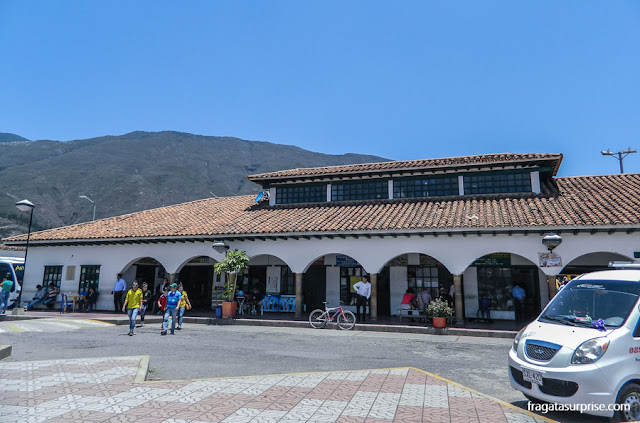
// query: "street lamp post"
[[92, 202], [626, 152], [25, 205]]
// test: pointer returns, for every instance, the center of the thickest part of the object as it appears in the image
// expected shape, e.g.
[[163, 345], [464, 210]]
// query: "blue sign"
[[345, 261]]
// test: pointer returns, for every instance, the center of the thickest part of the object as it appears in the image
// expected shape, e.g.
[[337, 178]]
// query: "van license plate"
[[532, 376]]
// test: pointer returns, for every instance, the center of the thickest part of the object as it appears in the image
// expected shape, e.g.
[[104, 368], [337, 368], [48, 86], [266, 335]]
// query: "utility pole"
[[619, 155]]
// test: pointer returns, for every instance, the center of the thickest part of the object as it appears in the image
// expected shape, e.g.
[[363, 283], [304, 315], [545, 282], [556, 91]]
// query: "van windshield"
[[582, 302]]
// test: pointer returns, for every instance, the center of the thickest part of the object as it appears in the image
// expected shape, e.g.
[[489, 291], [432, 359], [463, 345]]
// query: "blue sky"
[[404, 80]]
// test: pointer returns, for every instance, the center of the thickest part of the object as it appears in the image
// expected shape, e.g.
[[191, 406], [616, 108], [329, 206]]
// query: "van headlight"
[[590, 351], [516, 341]]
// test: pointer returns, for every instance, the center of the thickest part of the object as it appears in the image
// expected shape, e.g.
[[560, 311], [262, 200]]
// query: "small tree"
[[233, 263]]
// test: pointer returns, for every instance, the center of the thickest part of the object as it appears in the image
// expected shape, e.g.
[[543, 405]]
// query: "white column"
[[390, 189], [328, 192], [373, 301], [457, 283], [461, 184]]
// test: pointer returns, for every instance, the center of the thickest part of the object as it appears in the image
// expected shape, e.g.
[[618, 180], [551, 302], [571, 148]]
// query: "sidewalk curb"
[[369, 327], [7, 317], [143, 369], [5, 351]]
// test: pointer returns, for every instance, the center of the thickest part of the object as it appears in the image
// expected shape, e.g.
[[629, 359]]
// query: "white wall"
[[333, 285], [455, 252], [398, 285]]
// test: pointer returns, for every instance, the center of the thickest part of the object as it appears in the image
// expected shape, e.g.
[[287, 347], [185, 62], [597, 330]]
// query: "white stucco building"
[[473, 222]]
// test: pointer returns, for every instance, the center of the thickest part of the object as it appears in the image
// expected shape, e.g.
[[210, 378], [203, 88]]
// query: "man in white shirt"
[[363, 293]]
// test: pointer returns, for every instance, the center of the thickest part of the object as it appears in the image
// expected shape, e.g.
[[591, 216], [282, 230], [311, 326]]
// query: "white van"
[[583, 350]]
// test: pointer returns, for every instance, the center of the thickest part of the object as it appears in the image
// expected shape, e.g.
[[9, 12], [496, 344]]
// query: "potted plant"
[[439, 311], [233, 263]]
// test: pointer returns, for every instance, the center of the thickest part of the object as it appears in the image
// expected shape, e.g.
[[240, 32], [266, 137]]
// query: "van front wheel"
[[628, 396]]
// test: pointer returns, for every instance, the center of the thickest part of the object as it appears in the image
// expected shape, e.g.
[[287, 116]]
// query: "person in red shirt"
[[162, 301], [407, 300]]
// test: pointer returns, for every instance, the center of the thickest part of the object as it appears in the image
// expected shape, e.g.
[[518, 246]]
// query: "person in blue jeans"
[[132, 305], [5, 292], [147, 298], [173, 300], [39, 297], [51, 296]]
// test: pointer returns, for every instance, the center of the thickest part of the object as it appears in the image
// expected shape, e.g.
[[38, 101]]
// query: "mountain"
[[6, 137], [135, 171]]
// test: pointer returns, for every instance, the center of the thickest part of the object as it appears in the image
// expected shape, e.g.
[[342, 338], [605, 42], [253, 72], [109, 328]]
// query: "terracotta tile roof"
[[396, 166], [586, 201]]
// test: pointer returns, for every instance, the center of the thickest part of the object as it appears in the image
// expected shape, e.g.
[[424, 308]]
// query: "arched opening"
[[270, 278], [419, 272], [144, 270], [591, 262], [200, 281], [489, 282], [330, 278]]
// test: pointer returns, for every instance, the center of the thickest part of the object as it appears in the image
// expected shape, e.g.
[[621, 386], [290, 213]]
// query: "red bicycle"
[[319, 318]]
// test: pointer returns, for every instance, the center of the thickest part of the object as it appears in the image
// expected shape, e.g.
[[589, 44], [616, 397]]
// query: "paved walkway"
[[113, 390]]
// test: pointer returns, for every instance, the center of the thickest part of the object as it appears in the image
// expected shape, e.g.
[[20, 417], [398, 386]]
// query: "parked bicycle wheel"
[[348, 321], [317, 319]]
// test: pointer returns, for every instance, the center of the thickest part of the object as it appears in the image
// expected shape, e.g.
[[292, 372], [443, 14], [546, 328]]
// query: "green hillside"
[[134, 172]]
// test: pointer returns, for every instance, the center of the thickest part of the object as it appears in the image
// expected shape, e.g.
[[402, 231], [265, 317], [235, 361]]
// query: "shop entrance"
[[314, 286], [146, 273], [497, 283], [384, 294], [197, 281]]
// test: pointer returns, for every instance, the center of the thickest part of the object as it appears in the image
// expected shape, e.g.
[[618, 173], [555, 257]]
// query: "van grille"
[[540, 352]]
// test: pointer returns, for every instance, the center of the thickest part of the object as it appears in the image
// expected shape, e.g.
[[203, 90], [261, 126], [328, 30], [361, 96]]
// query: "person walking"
[[363, 293], [147, 300], [118, 291], [132, 305], [173, 300], [160, 291], [5, 292], [162, 301], [184, 304]]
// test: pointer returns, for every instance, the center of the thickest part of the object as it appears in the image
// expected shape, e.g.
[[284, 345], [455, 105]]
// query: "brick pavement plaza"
[[114, 390]]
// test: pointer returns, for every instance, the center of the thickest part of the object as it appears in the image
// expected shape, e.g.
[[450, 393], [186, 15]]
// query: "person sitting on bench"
[[51, 296], [88, 302], [408, 300], [424, 298], [40, 296]]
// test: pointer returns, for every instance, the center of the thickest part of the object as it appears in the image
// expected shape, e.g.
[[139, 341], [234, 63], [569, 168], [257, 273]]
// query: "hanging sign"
[[549, 260]]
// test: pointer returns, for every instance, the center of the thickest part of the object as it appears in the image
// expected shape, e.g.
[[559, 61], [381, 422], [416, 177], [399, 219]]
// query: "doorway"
[[314, 287], [197, 281], [384, 293]]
